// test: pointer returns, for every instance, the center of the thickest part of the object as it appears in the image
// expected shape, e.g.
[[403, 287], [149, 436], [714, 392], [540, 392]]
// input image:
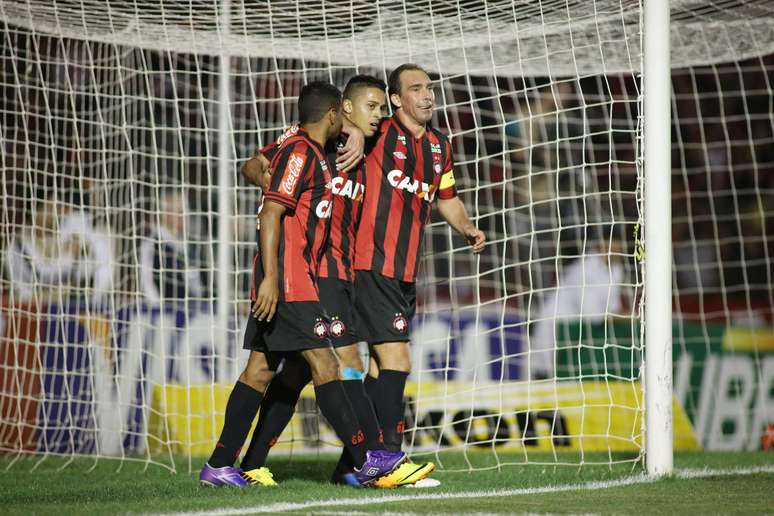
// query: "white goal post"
[[656, 79], [626, 248]]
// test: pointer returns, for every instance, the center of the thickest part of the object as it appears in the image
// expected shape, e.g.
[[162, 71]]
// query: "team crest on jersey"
[[320, 329], [435, 148], [338, 328], [398, 154], [402, 139], [400, 324]]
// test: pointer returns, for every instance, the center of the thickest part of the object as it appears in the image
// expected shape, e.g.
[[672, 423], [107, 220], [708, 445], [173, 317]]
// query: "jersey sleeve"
[[289, 170], [446, 188], [270, 150]]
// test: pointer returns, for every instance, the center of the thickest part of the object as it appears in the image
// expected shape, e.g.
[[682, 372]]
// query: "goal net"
[[127, 232]]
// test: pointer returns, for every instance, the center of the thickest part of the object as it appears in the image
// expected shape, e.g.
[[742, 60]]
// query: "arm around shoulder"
[[256, 170]]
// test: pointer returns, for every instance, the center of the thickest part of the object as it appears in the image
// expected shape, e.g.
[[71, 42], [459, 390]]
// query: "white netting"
[[110, 114], [550, 37]]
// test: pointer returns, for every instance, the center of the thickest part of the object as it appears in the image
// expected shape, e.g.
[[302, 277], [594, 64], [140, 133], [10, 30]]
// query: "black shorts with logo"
[[384, 307], [296, 326], [337, 296]]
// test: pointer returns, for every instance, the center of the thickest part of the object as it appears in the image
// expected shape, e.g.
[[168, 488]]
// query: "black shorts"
[[384, 307], [337, 296], [297, 326]]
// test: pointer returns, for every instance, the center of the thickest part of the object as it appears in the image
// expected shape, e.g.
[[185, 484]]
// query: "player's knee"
[[352, 373], [352, 367], [350, 358], [324, 373], [393, 356], [403, 365], [257, 377], [373, 368], [324, 365]]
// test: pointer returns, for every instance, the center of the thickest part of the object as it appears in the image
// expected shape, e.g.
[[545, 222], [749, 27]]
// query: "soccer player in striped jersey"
[[409, 168], [289, 319], [364, 101]]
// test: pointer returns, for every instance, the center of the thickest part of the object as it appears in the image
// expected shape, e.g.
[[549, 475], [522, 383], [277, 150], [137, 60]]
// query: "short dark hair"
[[316, 99], [394, 80], [359, 82]]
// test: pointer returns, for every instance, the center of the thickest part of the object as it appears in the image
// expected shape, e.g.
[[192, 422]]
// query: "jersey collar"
[[303, 133]]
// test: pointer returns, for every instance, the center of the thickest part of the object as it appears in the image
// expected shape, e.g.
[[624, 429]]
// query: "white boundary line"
[[350, 503]]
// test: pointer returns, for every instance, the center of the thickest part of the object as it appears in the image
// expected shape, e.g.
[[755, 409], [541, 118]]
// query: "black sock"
[[243, 403], [346, 463], [371, 385], [335, 406], [279, 404], [364, 410], [388, 401]]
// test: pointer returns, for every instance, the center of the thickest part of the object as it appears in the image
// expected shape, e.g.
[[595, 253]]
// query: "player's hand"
[[352, 152], [475, 238], [255, 169], [266, 179], [265, 305]]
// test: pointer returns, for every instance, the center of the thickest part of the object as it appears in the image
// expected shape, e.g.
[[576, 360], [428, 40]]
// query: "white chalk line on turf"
[[391, 498]]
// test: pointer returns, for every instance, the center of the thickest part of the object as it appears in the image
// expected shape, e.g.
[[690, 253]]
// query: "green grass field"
[[705, 483]]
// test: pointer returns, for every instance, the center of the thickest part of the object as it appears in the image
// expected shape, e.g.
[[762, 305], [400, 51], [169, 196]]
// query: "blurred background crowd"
[[110, 178]]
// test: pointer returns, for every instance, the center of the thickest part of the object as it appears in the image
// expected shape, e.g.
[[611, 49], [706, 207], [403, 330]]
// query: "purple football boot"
[[378, 463], [225, 476]]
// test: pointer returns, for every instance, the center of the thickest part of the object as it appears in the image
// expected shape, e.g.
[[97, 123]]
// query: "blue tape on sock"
[[350, 373]]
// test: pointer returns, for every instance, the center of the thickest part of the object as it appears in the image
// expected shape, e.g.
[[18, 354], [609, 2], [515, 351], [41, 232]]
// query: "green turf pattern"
[[84, 486]]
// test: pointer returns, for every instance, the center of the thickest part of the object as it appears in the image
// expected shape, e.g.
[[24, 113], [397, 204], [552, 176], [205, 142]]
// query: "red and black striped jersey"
[[300, 181], [348, 189], [270, 149], [404, 175]]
